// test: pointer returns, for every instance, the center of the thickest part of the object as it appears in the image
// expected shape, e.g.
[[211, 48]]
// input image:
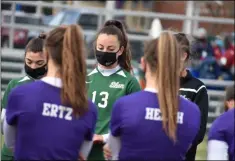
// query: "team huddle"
[[59, 112]]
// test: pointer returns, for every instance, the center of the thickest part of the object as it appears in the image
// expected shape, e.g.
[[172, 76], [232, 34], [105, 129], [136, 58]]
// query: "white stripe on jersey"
[[192, 90], [24, 79]]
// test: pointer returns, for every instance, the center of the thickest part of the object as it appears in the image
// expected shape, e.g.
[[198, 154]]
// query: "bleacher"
[[13, 62]]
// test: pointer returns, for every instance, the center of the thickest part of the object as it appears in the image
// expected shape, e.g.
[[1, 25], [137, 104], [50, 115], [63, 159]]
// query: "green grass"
[[202, 150]]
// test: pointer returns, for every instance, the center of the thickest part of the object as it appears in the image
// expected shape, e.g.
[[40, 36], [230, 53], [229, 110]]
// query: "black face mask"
[[35, 73], [106, 58]]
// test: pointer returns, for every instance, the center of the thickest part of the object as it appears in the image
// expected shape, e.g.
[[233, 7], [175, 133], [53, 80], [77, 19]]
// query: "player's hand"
[[81, 157], [107, 152], [98, 138]]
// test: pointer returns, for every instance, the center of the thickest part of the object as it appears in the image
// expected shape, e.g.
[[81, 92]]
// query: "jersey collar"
[[153, 90], [108, 72], [53, 81]]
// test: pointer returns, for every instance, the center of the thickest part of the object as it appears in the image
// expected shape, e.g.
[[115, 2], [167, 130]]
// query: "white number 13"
[[104, 99]]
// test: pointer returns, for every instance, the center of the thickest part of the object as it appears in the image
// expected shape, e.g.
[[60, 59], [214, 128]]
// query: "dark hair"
[[65, 46], [35, 45], [42, 36], [114, 27], [227, 42], [184, 42], [163, 58], [230, 95]]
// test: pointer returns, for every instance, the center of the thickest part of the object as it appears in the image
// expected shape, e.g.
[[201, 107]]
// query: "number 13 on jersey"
[[104, 98]]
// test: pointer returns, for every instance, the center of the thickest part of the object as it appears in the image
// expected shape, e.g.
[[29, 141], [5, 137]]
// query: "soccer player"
[[35, 68], [52, 119], [194, 90], [221, 134], [110, 80], [157, 123]]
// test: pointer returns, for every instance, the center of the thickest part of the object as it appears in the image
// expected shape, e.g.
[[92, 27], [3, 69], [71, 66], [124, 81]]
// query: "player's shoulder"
[[16, 81], [23, 79], [223, 120], [26, 88], [189, 106], [196, 83], [92, 73], [226, 115], [133, 97], [127, 76], [123, 73], [199, 84]]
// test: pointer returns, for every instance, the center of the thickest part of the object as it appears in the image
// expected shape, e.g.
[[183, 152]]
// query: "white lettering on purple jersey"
[[53, 110], [155, 114]]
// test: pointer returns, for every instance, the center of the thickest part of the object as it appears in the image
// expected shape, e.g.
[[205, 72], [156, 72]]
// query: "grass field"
[[202, 150]]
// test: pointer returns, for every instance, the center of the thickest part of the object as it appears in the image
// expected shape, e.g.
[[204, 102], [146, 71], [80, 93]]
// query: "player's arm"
[[201, 100], [9, 134], [217, 150], [87, 144], [217, 146], [105, 137], [4, 102], [133, 86], [13, 111], [85, 148], [114, 142]]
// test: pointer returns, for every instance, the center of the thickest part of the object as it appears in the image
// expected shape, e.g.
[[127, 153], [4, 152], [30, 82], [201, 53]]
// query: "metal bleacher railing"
[[12, 60]]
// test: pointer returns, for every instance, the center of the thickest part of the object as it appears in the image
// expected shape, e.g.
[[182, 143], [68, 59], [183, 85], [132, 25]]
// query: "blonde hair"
[[163, 56], [65, 46]]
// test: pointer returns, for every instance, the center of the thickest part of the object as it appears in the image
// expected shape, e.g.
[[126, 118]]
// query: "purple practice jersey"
[[46, 129], [222, 130], [136, 119]]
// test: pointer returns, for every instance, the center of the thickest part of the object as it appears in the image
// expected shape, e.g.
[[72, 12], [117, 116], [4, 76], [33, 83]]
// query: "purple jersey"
[[46, 129], [222, 129], [136, 119]]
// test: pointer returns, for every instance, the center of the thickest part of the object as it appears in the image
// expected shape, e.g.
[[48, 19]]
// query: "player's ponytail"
[[74, 69], [66, 48], [168, 80], [114, 27]]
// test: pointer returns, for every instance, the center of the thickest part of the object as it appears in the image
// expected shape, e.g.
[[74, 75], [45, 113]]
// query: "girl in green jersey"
[[110, 80], [35, 68]]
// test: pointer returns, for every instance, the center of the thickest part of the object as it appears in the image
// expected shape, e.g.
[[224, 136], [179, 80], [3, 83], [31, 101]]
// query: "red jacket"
[[229, 55]]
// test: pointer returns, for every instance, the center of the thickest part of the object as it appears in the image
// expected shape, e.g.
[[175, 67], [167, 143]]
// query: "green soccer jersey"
[[105, 90], [6, 154]]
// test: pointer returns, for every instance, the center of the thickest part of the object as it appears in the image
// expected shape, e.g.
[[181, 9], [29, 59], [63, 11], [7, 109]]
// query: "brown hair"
[[230, 95], [163, 57], [184, 43], [65, 46], [114, 27], [35, 44]]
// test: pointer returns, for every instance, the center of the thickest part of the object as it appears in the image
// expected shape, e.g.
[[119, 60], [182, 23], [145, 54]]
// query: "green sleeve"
[[133, 86], [10, 85]]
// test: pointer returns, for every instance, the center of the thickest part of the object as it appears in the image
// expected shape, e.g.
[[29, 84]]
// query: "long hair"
[[163, 57], [114, 27], [65, 46]]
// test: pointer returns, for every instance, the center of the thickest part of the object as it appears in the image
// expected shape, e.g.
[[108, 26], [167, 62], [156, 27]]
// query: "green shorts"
[[96, 152], [6, 154]]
